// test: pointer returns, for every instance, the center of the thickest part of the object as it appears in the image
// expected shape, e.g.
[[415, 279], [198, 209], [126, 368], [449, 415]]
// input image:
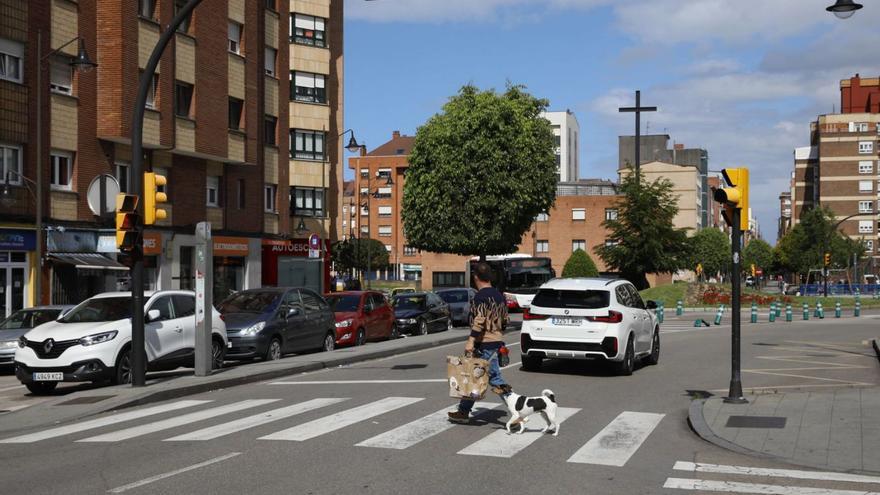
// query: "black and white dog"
[[521, 407]]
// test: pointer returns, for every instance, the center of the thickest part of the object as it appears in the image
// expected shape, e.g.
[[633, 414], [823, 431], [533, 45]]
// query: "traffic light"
[[827, 259], [152, 197], [754, 270], [736, 195], [126, 222]]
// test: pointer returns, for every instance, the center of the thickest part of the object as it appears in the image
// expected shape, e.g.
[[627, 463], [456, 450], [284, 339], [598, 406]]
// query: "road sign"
[[314, 246], [759, 272], [101, 195]]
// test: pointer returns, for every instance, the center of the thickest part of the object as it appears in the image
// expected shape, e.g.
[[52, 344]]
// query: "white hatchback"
[[590, 318]]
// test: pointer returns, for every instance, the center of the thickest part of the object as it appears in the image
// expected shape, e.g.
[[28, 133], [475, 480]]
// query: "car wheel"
[[41, 388], [218, 354], [625, 367], [654, 357], [531, 363], [423, 327], [449, 324], [361, 337], [273, 353], [395, 332], [122, 374], [329, 343]]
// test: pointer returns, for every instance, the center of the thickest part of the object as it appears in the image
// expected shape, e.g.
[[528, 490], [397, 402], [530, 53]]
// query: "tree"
[[579, 264], [803, 247], [643, 239], [711, 249], [353, 254], [759, 253], [479, 173]]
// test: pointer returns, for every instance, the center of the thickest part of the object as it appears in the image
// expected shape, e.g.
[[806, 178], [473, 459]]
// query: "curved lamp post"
[[844, 9]]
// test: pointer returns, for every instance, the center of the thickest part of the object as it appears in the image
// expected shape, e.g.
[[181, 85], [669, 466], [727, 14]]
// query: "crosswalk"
[[614, 444]]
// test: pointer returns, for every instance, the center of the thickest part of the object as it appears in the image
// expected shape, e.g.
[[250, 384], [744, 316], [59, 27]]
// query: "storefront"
[[412, 272], [152, 259], [230, 259], [83, 263], [286, 263], [17, 268]]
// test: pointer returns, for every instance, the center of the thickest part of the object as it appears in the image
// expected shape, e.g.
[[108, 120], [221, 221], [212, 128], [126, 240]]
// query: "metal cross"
[[638, 109]]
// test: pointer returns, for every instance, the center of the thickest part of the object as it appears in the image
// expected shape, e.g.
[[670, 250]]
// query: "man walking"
[[489, 315]]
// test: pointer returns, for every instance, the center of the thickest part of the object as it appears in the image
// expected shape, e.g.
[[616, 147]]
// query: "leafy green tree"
[[580, 264], [759, 253], [479, 173], [354, 253], [711, 249], [643, 238], [804, 246]]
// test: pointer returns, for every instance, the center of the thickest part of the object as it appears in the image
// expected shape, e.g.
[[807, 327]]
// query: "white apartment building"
[[567, 132]]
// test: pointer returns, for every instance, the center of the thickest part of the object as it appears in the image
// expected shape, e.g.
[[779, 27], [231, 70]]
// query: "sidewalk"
[[835, 430]]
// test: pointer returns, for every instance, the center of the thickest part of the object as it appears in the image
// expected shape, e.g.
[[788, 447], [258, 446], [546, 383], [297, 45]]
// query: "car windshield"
[[29, 318], [343, 304], [409, 302], [100, 309], [249, 302], [575, 299], [453, 296]]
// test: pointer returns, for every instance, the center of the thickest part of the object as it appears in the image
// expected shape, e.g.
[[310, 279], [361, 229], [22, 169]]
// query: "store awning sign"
[[230, 246], [18, 240]]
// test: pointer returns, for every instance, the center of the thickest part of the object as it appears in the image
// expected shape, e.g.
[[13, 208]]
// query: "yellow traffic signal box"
[[736, 195], [126, 222], [152, 198]]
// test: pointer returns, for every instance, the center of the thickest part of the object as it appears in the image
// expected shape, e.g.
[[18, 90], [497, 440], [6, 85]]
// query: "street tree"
[[803, 247], [759, 253], [710, 248], [579, 264], [480, 171], [643, 238], [353, 254]]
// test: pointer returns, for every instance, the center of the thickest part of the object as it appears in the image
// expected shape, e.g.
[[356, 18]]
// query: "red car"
[[361, 316]]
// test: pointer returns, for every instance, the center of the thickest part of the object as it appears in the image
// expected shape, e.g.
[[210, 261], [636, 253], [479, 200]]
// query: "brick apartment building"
[[239, 83]]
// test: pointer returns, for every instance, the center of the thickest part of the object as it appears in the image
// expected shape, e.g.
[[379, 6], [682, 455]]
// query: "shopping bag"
[[468, 377]]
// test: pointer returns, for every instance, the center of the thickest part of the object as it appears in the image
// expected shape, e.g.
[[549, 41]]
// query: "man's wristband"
[[475, 334]]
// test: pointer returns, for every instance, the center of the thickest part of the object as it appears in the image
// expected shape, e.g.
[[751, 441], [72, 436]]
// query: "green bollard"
[[772, 315], [778, 309], [837, 309], [679, 308], [754, 318], [806, 311], [660, 313], [718, 314], [788, 313], [816, 310], [820, 310], [858, 308]]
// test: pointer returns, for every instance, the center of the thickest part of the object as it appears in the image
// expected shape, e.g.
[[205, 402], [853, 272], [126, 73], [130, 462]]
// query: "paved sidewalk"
[[831, 430]]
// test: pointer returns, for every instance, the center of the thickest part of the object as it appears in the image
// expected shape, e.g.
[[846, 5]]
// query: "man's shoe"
[[458, 416]]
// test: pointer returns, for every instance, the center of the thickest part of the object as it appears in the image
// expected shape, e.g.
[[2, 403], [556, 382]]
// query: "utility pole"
[[638, 109]]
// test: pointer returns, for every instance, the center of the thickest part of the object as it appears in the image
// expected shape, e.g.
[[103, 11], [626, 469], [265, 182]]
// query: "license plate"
[[49, 377], [567, 321]]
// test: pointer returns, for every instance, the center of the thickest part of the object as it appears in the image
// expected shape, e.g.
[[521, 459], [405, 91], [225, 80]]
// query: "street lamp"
[[844, 9], [388, 182], [828, 244]]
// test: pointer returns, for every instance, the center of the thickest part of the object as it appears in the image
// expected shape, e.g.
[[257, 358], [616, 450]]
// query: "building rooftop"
[[587, 187], [399, 145], [348, 188]]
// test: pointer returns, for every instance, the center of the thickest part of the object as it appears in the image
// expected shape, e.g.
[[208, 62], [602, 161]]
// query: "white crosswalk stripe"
[[755, 488], [254, 421], [697, 467], [735, 486], [619, 440], [105, 421], [412, 433], [140, 430], [342, 419], [500, 444]]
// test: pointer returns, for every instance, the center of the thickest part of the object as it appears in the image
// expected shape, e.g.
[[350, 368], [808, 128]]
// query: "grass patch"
[[668, 294], [688, 293]]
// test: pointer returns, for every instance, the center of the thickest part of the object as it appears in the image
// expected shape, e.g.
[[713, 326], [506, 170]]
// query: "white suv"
[[590, 318], [92, 342]]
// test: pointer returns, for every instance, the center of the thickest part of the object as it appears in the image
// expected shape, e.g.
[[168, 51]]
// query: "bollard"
[[837, 309], [660, 313], [698, 323], [788, 313], [806, 311], [772, 315], [679, 309], [778, 309], [816, 310], [820, 310], [718, 314], [858, 308], [754, 318], [773, 308]]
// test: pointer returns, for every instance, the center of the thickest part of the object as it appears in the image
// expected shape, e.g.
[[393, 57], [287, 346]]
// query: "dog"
[[521, 407]]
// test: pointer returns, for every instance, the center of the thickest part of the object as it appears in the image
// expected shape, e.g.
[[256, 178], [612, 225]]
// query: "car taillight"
[[613, 317], [528, 315]]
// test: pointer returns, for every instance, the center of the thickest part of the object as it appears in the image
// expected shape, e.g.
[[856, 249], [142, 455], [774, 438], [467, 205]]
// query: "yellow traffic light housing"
[[736, 195], [754, 270], [126, 222], [152, 197], [827, 259]]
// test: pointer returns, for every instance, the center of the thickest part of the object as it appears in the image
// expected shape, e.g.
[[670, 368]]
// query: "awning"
[[91, 261]]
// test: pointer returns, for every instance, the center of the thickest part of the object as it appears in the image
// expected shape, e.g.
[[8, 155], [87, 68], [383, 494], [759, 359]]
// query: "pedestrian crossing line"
[[407, 435], [341, 419], [267, 417], [619, 440], [105, 421], [754, 488], [146, 429], [697, 467], [500, 444]]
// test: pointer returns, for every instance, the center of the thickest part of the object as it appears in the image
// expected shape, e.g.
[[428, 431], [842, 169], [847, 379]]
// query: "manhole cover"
[[756, 422], [85, 400], [408, 366]]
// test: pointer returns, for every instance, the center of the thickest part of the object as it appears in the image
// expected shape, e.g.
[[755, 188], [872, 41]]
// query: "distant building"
[[784, 214], [567, 132], [686, 185]]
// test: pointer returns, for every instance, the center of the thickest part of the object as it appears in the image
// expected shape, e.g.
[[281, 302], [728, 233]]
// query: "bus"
[[517, 276]]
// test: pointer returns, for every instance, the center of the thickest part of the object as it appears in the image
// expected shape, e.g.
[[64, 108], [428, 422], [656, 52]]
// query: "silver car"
[[459, 301], [20, 323]]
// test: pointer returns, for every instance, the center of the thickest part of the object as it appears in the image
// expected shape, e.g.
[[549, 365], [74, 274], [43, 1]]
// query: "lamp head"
[[301, 227], [82, 63], [844, 9], [352, 144]]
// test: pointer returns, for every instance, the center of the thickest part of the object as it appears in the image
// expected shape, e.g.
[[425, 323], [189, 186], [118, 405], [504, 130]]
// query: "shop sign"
[[107, 244], [230, 246], [295, 247], [76, 241], [17, 240], [152, 243], [412, 268]]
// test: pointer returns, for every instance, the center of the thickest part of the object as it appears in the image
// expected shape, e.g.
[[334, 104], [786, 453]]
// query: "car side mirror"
[[153, 315], [651, 305], [292, 312]]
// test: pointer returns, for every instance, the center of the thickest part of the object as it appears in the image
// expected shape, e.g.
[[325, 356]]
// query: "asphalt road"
[[375, 427]]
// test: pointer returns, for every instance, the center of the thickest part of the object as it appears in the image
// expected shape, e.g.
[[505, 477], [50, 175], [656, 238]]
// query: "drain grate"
[[408, 366], [85, 400], [756, 422]]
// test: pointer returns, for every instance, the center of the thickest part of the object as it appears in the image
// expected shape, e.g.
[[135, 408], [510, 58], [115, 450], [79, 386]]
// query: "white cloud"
[[440, 11]]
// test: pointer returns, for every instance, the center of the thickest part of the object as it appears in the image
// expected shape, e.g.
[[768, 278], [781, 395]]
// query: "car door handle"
[[178, 329]]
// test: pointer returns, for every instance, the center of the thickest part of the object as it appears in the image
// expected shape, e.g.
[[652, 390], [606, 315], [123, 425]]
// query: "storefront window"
[[186, 268], [151, 273], [228, 276]]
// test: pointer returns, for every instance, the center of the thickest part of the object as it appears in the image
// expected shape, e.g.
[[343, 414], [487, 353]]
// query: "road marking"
[[140, 430], [4, 389], [698, 467], [267, 417], [169, 474], [619, 440], [511, 364], [806, 376], [500, 444], [106, 421], [407, 435], [803, 385], [736, 487], [350, 382], [342, 419]]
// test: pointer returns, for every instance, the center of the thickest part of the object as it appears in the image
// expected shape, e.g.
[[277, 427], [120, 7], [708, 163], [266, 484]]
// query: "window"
[[865, 206], [365, 191], [269, 198], [866, 147], [241, 194], [11, 60], [270, 4], [866, 167], [365, 231], [235, 108], [610, 213], [858, 127], [409, 251], [308, 87], [269, 61], [383, 173], [60, 76], [10, 164], [384, 211], [448, 279], [365, 173], [383, 192], [213, 189], [183, 94], [308, 145], [62, 169], [869, 246], [542, 246], [164, 173], [866, 226], [866, 186], [151, 91], [578, 214], [387, 247], [178, 6], [578, 244], [542, 217], [270, 126], [610, 243], [308, 201], [147, 8], [234, 37], [307, 30], [123, 177], [364, 210], [384, 231]]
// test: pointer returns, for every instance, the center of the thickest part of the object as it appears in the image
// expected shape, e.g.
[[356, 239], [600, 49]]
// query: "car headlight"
[[344, 323], [9, 344], [253, 329], [409, 321], [98, 338], [22, 342]]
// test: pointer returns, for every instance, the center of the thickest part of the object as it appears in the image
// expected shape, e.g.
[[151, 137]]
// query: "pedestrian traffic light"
[[827, 259], [126, 222], [152, 197], [736, 195]]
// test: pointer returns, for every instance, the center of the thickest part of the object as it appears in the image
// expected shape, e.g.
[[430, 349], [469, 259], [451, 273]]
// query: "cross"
[[638, 109]]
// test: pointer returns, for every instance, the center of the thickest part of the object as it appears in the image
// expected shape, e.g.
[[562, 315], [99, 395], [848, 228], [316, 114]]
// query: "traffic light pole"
[[735, 394]]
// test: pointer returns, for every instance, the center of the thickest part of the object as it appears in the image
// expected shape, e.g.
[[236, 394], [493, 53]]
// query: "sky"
[[741, 78]]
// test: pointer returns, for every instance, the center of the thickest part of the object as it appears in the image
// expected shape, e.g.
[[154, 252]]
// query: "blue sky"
[[741, 78]]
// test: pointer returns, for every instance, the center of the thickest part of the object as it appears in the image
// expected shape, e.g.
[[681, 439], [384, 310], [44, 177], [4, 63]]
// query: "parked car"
[[590, 318], [92, 342], [402, 290], [361, 316], [420, 313], [20, 323], [270, 322], [750, 281], [459, 301]]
